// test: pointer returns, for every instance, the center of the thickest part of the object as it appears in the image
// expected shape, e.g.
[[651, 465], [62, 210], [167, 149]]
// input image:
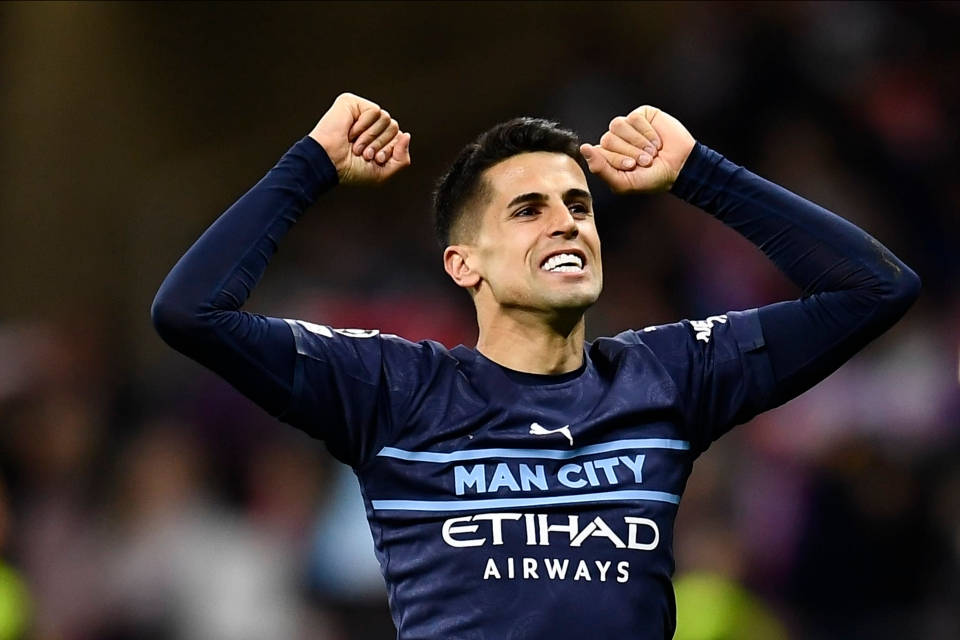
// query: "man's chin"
[[571, 301]]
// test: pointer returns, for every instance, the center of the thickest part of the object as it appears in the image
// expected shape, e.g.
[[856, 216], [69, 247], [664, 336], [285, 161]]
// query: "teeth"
[[563, 262]]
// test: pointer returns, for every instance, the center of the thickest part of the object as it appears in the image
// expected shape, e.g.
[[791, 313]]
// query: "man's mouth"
[[563, 263]]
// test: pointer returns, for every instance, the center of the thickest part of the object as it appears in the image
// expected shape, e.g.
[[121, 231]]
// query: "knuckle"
[[605, 138], [644, 114]]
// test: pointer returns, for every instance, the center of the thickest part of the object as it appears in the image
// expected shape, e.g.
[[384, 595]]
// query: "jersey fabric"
[[513, 505]]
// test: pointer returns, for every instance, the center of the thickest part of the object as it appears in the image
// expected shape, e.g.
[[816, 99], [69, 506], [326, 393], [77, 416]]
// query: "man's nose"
[[563, 224]]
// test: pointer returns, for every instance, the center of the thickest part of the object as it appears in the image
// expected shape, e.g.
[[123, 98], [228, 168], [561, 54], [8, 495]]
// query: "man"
[[527, 488]]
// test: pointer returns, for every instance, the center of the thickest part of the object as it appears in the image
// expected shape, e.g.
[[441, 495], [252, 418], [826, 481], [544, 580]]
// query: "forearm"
[[197, 309], [853, 287]]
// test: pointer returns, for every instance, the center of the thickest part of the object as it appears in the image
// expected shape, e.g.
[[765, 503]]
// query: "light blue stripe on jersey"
[[553, 454], [501, 503]]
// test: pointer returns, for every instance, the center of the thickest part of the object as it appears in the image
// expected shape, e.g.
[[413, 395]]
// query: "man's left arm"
[[854, 288]]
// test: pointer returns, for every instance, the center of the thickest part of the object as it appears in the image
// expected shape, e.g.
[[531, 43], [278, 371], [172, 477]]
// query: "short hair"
[[463, 183]]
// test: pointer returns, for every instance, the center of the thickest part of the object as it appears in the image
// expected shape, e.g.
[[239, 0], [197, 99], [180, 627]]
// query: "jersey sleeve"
[[345, 387], [852, 287], [353, 388], [198, 308], [719, 366], [729, 368]]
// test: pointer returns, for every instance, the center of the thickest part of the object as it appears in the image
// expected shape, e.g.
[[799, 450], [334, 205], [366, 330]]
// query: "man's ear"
[[457, 261]]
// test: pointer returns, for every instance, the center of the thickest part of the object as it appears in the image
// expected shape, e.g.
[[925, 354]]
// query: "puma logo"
[[537, 430]]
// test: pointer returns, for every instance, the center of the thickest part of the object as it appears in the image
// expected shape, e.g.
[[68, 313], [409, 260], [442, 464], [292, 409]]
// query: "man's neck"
[[530, 343]]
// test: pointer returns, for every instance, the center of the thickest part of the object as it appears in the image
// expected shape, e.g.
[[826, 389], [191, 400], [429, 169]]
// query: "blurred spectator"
[[15, 606], [183, 567], [55, 440], [714, 607]]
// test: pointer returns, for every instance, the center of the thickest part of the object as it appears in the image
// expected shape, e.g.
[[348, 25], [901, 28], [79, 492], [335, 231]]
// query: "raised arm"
[[853, 287], [197, 309]]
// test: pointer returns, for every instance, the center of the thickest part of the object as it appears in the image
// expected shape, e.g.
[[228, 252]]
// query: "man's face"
[[537, 246]]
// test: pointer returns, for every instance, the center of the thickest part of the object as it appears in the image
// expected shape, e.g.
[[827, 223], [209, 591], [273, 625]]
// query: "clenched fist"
[[364, 143], [642, 152]]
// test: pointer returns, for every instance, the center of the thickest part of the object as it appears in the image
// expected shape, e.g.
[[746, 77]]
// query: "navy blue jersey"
[[513, 505], [500, 502]]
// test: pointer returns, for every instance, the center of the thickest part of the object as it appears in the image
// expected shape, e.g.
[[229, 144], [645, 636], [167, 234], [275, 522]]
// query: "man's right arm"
[[197, 309]]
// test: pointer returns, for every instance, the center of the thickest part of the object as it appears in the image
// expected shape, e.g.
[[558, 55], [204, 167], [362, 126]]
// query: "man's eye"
[[579, 208], [526, 211]]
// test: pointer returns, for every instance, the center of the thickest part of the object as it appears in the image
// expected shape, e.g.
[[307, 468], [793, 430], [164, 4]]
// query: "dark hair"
[[463, 183]]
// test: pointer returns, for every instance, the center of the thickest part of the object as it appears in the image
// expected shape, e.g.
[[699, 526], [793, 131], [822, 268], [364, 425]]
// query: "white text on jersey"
[[520, 477]]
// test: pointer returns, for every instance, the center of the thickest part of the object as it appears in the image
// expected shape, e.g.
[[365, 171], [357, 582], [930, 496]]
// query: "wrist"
[[684, 162], [324, 141], [697, 163], [324, 172]]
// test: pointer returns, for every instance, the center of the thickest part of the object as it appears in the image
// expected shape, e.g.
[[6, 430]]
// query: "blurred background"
[[140, 497]]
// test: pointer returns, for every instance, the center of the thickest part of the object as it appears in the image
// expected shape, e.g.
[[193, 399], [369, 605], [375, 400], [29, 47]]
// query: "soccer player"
[[527, 487]]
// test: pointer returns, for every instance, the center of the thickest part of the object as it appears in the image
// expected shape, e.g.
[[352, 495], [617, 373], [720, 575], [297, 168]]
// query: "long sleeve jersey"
[[513, 505]]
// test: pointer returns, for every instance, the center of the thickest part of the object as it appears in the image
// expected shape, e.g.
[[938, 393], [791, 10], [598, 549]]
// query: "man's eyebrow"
[[528, 197], [573, 194], [570, 194]]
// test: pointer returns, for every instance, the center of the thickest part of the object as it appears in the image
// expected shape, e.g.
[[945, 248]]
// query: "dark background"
[[140, 497]]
